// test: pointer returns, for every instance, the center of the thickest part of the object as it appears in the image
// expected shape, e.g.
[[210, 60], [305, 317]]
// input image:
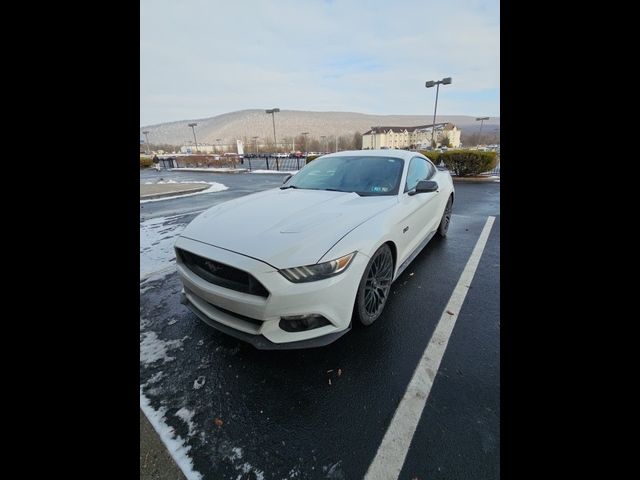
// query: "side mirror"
[[287, 179], [425, 186]]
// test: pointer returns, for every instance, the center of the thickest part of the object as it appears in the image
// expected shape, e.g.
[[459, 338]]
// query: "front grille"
[[221, 274]]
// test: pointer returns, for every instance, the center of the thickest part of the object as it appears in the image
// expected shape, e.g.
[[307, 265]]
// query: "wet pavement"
[[242, 413]]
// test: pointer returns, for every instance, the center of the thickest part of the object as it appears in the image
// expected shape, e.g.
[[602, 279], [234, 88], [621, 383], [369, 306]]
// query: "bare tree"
[[314, 145], [357, 141], [345, 142]]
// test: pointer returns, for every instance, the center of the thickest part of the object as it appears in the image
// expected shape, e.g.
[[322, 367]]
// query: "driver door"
[[418, 211]]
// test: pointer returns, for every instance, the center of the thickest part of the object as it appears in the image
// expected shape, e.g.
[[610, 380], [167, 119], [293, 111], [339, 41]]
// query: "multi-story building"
[[410, 137]]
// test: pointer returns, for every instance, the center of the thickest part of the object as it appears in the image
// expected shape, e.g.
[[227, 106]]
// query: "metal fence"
[[274, 163]]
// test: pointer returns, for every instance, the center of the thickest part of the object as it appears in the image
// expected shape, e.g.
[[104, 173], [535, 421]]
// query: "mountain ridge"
[[245, 124]]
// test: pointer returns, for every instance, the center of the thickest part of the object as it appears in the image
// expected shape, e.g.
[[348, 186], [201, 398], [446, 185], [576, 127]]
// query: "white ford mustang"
[[292, 266]]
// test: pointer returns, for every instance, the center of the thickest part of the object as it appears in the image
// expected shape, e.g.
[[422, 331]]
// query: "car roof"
[[404, 154]]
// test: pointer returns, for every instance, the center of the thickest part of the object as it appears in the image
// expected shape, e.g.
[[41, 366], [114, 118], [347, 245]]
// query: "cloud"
[[202, 58]]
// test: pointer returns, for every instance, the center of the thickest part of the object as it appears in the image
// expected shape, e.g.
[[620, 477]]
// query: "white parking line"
[[392, 452]]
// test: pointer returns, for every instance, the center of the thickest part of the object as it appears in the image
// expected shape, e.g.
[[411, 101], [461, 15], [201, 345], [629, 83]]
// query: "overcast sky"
[[201, 58]]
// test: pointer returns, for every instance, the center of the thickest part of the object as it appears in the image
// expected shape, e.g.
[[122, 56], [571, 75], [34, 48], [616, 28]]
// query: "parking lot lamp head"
[[436, 83]]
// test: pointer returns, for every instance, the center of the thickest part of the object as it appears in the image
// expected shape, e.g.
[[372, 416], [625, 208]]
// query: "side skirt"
[[414, 254]]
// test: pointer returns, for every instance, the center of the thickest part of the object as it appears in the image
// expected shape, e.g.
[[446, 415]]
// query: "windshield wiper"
[[334, 190], [288, 186]]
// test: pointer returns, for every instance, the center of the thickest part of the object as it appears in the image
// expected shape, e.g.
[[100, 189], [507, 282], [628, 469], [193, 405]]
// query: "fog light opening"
[[300, 323]]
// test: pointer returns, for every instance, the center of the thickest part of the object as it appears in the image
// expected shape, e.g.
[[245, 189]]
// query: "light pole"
[[273, 111], [304, 134], [255, 141], [322, 137], [193, 127], [482, 119], [146, 136], [429, 84]]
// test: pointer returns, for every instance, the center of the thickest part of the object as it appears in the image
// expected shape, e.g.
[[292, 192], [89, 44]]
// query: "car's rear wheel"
[[446, 218], [375, 286]]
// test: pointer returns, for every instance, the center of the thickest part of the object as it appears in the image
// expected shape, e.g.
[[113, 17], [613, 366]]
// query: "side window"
[[419, 169], [432, 170]]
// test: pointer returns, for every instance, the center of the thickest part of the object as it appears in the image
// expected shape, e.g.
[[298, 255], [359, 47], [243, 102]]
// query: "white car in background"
[[292, 267]]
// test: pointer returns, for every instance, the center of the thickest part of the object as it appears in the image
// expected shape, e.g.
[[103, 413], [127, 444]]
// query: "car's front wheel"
[[375, 286]]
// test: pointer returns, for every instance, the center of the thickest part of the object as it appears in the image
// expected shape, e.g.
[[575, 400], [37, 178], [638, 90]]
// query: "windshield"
[[362, 174]]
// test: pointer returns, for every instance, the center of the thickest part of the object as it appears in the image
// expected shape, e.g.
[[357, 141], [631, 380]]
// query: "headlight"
[[319, 271]]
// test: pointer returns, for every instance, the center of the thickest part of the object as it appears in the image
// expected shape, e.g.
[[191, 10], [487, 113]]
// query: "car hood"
[[285, 228]]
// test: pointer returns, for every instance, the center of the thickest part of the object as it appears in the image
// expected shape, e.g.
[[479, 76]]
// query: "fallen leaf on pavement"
[[339, 371], [218, 422], [329, 371], [450, 312], [329, 381]]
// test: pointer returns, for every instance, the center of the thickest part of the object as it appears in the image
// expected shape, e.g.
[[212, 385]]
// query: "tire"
[[375, 286], [445, 221]]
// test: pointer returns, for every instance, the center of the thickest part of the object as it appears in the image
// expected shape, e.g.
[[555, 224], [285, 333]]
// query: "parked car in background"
[[292, 267]]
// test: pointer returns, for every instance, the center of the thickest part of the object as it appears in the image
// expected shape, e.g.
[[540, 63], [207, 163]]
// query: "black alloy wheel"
[[375, 286], [446, 218]]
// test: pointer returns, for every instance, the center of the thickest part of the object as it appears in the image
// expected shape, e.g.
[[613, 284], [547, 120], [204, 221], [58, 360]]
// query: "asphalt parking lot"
[[229, 411]]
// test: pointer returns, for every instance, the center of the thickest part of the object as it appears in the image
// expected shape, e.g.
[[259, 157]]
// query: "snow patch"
[[199, 382], [186, 416], [294, 473], [153, 349], [156, 377], [236, 453], [174, 443], [246, 468], [146, 284], [157, 256]]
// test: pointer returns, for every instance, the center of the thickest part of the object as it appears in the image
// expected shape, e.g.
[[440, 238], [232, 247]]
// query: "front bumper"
[[256, 319], [258, 341]]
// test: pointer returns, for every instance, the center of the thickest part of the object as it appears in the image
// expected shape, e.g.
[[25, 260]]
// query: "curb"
[[173, 193], [156, 462]]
